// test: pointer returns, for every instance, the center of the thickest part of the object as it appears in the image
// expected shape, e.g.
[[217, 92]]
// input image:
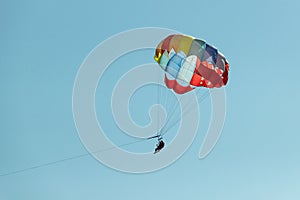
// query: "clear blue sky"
[[43, 44]]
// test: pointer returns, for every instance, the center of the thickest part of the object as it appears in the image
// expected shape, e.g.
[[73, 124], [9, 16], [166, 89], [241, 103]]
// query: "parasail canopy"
[[190, 63]]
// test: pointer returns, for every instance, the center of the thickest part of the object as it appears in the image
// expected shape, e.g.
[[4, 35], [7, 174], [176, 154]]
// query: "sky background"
[[43, 44]]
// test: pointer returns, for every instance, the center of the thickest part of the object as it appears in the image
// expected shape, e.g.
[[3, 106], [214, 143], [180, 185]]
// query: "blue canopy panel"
[[210, 55], [175, 64]]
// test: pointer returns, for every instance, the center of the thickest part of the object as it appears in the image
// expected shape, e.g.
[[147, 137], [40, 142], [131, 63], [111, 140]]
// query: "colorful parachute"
[[191, 63]]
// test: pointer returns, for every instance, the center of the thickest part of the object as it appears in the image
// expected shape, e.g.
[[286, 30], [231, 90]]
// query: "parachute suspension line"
[[197, 92], [174, 106], [166, 106], [166, 98], [159, 137], [185, 111], [174, 110], [158, 101]]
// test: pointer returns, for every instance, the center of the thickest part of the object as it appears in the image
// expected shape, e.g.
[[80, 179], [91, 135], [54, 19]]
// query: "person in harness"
[[159, 146]]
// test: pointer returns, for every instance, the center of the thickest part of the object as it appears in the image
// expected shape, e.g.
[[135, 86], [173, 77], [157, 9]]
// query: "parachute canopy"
[[191, 63]]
